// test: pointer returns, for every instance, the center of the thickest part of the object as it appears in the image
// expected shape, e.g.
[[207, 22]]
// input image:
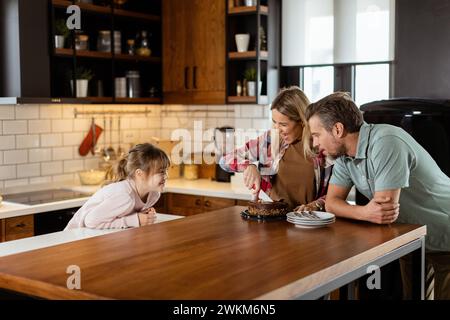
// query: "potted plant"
[[250, 76], [62, 32], [82, 76]]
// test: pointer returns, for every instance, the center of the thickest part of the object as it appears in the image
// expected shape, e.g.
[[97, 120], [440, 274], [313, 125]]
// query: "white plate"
[[311, 223], [322, 216]]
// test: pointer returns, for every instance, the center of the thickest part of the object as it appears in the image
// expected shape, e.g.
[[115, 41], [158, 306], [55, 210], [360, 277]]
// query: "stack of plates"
[[310, 219]]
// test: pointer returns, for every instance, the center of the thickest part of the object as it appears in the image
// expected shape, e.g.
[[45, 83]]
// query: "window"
[[371, 83], [318, 82]]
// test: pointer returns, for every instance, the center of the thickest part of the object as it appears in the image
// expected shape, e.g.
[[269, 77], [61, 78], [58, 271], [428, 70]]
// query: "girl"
[[138, 180]]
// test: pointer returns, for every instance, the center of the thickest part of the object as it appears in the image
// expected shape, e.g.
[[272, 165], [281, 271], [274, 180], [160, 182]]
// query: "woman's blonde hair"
[[145, 156], [292, 102]]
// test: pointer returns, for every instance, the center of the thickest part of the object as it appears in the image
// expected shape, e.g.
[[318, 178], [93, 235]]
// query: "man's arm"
[[382, 209]]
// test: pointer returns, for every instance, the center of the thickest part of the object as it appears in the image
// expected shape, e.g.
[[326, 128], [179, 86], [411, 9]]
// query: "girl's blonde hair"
[[145, 156], [292, 102]]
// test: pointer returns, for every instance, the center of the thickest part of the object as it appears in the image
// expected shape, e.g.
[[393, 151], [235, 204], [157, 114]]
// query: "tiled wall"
[[39, 143]]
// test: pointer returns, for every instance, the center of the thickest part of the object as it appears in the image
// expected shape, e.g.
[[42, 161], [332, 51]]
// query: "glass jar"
[[81, 42], [144, 49], [104, 41], [131, 49], [133, 84]]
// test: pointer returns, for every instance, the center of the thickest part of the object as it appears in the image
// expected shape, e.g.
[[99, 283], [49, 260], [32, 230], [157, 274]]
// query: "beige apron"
[[294, 181]]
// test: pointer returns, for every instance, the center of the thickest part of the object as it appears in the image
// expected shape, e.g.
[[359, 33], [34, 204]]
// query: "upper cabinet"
[[194, 51], [118, 49]]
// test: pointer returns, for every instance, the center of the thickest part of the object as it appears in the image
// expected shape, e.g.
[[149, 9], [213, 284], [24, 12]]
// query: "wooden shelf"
[[104, 55], [247, 99], [139, 100], [247, 55], [264, 10], [107, 10]]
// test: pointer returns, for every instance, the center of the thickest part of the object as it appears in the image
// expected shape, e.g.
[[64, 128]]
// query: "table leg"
[[418, 272]]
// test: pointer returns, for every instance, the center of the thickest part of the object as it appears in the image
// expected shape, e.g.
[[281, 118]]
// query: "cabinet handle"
[[194, 78], [186, 76], [198, 202], [21, 225], [207, 204]]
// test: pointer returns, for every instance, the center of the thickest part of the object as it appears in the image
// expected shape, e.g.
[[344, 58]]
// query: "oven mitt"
[[88, 142]]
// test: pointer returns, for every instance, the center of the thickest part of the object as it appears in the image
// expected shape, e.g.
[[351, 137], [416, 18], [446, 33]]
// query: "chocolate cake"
[[265, 208]]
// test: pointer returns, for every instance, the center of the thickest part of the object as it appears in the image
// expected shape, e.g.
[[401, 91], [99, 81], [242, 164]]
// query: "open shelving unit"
[[264, 58], [130, 19]]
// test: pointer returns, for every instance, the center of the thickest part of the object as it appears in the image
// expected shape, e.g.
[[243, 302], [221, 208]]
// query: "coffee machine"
[[224, 143]]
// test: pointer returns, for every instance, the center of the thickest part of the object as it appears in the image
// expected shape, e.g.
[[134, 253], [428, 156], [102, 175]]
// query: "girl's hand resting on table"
[[147, 216]]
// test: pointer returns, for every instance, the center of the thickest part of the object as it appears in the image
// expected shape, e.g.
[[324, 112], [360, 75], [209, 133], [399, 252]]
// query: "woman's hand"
[[147, 216], [312, 206], [252, 179]]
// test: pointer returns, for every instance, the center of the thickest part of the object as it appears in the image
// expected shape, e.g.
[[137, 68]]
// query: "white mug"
[[242, 41]]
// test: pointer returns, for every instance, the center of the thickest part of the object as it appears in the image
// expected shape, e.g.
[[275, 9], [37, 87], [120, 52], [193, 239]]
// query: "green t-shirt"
[[388, 158]]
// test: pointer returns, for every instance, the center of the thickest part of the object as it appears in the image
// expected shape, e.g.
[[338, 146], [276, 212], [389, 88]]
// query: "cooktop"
[[45, 196]]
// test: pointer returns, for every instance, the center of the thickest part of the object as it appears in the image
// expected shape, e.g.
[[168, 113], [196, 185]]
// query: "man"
[[391, 169]]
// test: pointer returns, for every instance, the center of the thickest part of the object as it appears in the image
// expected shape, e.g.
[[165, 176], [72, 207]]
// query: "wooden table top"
[[216, 255]]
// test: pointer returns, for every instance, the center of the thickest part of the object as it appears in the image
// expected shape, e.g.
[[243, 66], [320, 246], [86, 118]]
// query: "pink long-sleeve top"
[[115, 206]]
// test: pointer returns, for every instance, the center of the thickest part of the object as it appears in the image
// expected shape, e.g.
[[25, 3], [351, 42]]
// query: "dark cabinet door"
[[54, 221]]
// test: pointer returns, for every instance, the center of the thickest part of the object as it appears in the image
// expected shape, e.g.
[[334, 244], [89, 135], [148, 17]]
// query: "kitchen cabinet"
[[186, 205], [193, 50], [17, 228]]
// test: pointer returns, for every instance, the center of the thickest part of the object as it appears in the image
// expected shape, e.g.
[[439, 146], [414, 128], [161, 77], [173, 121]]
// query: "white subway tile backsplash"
[[39, 155], [62, 125], [40, 180], [15, 127], [51, 140], [84, 125], [27, 112], [7, 112], [64, 178], [73, 139], [252, 111], [43, 140], [91, 163], [7, 142], [51, 168], [243, 123], [51, 111], [27, 141], [15, 156], [261, 124], [64, 153], [39, 126], [28, 170], [7, 172], [16, 183], [71, 166]]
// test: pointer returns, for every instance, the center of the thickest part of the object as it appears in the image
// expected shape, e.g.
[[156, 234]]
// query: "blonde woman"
[[295, 173], [139, 179]]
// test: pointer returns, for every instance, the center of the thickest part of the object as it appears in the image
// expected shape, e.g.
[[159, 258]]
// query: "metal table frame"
[[417, 247]]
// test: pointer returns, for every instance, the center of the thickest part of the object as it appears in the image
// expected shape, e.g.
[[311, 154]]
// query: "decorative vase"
[[251, 88], [59, 42], [242, 41], [82, 87]]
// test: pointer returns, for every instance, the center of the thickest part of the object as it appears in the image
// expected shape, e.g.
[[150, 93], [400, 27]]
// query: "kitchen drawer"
[[183, 204], [18, 227], [212, 203]]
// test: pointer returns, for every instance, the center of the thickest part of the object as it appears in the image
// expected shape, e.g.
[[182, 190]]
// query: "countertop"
[[214, 255], [201, 187], [56, 238]]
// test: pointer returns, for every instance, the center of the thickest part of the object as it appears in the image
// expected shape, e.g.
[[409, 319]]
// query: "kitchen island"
[[215, 255]]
